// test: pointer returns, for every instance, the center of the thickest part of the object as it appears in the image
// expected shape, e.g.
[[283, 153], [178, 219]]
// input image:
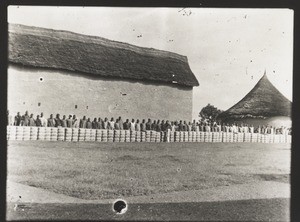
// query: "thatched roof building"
[[46, 48], [54, 71], [263, 101]]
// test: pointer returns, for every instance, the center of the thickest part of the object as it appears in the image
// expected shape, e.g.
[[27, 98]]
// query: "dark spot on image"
[[119, 206]]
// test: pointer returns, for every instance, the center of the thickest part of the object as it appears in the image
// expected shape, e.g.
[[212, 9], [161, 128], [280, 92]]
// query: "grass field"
[[91, 170]]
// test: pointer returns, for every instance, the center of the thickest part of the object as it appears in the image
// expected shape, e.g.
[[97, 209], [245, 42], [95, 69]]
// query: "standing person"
[[75, 122], [246, 129], [148, 124], [64, 121], [180, 126], [57, 121], [185, 126], [99, 123], [167, 129], [272, 130], [234, 128], [189, 126], [197, 126], [251, 129], [51, 121], [201, 127], [263, 129], [176, 126], [194, 125], [207, 128], [268, 129], [120, 123], [88, 124], [82, 123], [258, 129], [9, 119], [126, 125], [215, 125], [17, 119], [231, 129], [43, 120], [111, 124], [168, 126], [70, 122], [25, 119], [143, 125], [117, 125], [153, 125], [173, 126], [137, 125], [132, 125], [105, 123], [163, 125], [95, 124], [38, 121], [31, 121], [158, 126], [223, 127]]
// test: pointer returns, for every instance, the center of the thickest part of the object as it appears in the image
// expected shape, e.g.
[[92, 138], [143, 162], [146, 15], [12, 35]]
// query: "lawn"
[[91, 170]]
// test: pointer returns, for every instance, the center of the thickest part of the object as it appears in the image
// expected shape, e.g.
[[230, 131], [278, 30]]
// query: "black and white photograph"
[[149, 113]]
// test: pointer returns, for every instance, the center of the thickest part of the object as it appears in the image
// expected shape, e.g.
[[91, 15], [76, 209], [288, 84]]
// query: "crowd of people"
[[136, 125]]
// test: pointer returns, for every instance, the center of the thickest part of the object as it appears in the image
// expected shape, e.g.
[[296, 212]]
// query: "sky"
[[228, 50]]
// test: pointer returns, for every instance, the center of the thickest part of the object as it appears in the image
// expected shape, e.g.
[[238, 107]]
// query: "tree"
[[209, 113]]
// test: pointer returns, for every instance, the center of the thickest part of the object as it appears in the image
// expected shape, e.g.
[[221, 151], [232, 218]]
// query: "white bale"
[[93, 132], [225, 138], [33, 129], [75, 136], [254, 138], [26, 128], [81, 132], [80, 139], [289, 138], [276, 138], [7, 130], [60, 138], [54, 129], [33, 136], [19, 130]]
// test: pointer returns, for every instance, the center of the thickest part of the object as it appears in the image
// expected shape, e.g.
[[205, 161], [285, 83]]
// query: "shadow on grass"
[[284, 178]]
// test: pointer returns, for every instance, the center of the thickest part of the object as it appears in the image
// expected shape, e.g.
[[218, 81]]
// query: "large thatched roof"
[[46, 48], [263, 101]]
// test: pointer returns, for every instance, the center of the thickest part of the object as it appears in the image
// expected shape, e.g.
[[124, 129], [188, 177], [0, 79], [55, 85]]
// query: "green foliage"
[[209, 113]]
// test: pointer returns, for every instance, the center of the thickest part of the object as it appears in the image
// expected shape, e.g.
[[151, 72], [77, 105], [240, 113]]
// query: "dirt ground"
[[91, 170]]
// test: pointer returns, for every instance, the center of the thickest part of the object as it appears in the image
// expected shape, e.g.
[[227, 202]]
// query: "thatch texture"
[[263, 101], [46, 48]]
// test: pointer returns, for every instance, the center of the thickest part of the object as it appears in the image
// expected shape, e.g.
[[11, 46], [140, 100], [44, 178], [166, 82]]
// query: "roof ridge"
[[95, 40], [43, 48]]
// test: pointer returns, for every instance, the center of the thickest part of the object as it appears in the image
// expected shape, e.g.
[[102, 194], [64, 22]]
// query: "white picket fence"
[[102, 135]]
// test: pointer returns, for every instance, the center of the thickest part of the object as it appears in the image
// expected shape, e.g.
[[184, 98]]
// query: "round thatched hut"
[[263, 105]]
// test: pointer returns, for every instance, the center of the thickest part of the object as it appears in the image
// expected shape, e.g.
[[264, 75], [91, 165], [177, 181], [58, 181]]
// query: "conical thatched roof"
[[55, 49], [263, 101]]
